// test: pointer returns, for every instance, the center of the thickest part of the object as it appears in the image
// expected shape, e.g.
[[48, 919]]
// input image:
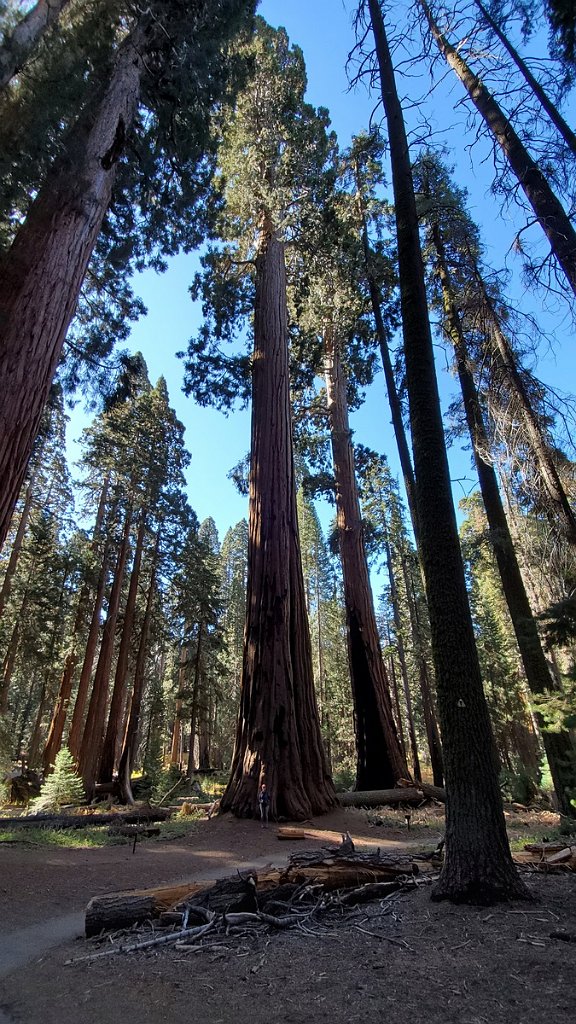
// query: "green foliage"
[[63, 786], [5, 758], [520, 787]]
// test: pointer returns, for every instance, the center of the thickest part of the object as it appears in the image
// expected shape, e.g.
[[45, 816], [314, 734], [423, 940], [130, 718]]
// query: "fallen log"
[[86, 820], [379, 797], [122, 909]]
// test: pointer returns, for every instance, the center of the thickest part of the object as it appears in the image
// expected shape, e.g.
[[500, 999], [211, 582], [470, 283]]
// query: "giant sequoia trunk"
[[548, 209], [559, 748], [25, 36], [478, 863], [41, 275], [278, 736], [380, 761]]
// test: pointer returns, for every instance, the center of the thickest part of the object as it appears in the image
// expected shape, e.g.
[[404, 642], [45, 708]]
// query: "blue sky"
[[322, 28]]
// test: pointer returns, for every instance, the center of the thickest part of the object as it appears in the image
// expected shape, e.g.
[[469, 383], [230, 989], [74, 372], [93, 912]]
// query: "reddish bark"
[[20, 44], [41, 275], [278, 736], [380, 761]]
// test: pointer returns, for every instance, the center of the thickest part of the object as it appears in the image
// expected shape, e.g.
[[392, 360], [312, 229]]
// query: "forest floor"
[[406, 960]]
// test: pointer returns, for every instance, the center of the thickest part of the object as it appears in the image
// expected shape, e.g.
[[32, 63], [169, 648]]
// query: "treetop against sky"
[[325, 34]]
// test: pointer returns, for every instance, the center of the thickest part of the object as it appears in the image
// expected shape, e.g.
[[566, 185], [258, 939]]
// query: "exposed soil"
[[407, 960]]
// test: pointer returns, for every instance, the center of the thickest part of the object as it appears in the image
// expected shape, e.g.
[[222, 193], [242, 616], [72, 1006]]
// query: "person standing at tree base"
[[264, 804]]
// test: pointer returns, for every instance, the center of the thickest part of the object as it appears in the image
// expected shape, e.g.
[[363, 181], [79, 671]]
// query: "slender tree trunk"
[[278, 736], [380, 762], [478, 864], [91, 749], [432, 733], [560, 750], [77, 725], [543, 98], [133, 722], [60, 712], [16, 547], [41, 275], [558, 508], [396, 699], [21, 43], [194, 708], [403, 666], [548, 209], [114, 727], [11, 653], [426, 689]]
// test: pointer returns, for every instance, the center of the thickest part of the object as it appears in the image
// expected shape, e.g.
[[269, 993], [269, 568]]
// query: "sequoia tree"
[[274, 148], [42, 273]]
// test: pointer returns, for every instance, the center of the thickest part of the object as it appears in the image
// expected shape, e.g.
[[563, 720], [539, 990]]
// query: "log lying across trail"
[[326, 870]]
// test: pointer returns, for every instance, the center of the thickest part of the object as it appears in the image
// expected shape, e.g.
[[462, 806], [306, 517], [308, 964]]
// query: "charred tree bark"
[[380, 761], [91, 749], [278, 736], [559, 748], [548, 209], [41, 275], [21, 43], [478, 864]]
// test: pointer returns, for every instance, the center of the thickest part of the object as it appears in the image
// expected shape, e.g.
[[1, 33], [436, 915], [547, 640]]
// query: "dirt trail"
[[405, 959]]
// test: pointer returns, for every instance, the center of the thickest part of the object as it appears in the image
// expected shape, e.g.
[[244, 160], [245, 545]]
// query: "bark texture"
[[380, 761], [478, 864], [21, 43], [278, 737], [42, 273]]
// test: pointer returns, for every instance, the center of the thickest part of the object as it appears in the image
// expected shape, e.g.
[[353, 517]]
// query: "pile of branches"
[[303, 896]]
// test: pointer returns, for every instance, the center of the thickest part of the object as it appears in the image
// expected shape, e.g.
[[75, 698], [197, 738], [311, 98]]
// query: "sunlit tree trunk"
[[19, 45], [115, 711], [543, 98], [130, 742], [278, 736]]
